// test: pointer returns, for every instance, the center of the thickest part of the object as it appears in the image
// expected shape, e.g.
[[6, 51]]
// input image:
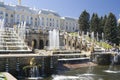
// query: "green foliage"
[[84, 21], [27, 67], [74, 34], [110, 29], [101, 26], [104, 24], [95, 24], [104, 45], [30, 66], [118, 36]]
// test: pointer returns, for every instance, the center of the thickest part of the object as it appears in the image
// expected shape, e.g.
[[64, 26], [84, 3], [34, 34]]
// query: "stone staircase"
[[70, 56], [11, 42], [97, 48]]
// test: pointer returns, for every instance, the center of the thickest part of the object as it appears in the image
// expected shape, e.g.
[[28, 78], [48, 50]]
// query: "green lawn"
[[74, 33], [101, 44]]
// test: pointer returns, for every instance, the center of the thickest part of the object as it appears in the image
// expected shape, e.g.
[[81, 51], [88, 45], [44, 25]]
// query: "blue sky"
[[73, 8]]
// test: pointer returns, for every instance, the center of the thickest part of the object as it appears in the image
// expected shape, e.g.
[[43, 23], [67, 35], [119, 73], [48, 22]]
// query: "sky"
[[73, 8]]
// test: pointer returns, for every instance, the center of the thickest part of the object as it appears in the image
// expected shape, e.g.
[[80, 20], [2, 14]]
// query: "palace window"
[[66, 27], [70, 24], [31, 18], [11, 15], [18, 20], [66, 23], [35, 23], [42, 18], [57, 25], [6, 14], [22, 17], [73, 25], [53, 24], [31, 22], [11, 21], [47, 23], [47, 19], [18, 16], [57, 21], [50, 24], [6, 20], [43, 23], [1, 17], [1, 12], [27, 19], [50, 19]]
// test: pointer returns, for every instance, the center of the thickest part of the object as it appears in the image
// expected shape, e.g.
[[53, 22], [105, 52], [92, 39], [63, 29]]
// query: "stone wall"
[[72, 42], [37, 40], [101, 58], [16, 65], [40, 40]]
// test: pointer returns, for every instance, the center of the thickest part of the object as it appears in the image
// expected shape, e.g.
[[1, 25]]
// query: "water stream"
[[53, 39], [78, 74], [112, 68]]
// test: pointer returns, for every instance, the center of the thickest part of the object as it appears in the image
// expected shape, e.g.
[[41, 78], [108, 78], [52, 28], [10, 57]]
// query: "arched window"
[[41, 44], [34, 44]]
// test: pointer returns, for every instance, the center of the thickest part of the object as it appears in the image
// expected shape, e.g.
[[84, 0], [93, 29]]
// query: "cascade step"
[[10, 41]]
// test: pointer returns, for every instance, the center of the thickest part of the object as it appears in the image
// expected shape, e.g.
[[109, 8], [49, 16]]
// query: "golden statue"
[[32, 62], [19, 2]]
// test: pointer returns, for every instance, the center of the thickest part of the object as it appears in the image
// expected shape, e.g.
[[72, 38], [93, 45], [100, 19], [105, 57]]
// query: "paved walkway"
[[23, 55], [9, 76]]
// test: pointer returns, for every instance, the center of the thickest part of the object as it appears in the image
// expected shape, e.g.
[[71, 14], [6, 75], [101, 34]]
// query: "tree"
[[110, 29], [101, 26], [95, 24], [118, 34], [104, 21], [84, 21]]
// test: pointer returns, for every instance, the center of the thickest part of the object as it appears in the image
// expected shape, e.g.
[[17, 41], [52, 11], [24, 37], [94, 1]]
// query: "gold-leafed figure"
[[32, 62], [19, 2]]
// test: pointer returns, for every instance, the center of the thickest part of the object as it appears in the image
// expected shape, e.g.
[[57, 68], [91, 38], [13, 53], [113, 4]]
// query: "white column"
[[29, 19], [25, 18], [15, 18], [4, 15]]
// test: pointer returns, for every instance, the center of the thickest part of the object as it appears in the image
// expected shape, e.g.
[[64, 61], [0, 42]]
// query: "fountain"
[[112, 68], [54, 39], [83, 36], [1, 33], [78, 74], [43, 66], [102, 36], [87, 34], [21, 30], [7, 66], [2, 24], [33, 70], [12, 40], [92, 36], [61, 77], [97, 37]]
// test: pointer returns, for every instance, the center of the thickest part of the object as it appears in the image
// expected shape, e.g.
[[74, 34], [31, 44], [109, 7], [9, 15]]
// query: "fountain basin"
[[34, 78]]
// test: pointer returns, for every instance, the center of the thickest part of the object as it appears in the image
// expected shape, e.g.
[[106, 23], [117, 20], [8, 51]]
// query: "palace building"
[[36, 19]]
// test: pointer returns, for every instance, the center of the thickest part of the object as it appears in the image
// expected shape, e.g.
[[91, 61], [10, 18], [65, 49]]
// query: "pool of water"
[[88, 73]]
